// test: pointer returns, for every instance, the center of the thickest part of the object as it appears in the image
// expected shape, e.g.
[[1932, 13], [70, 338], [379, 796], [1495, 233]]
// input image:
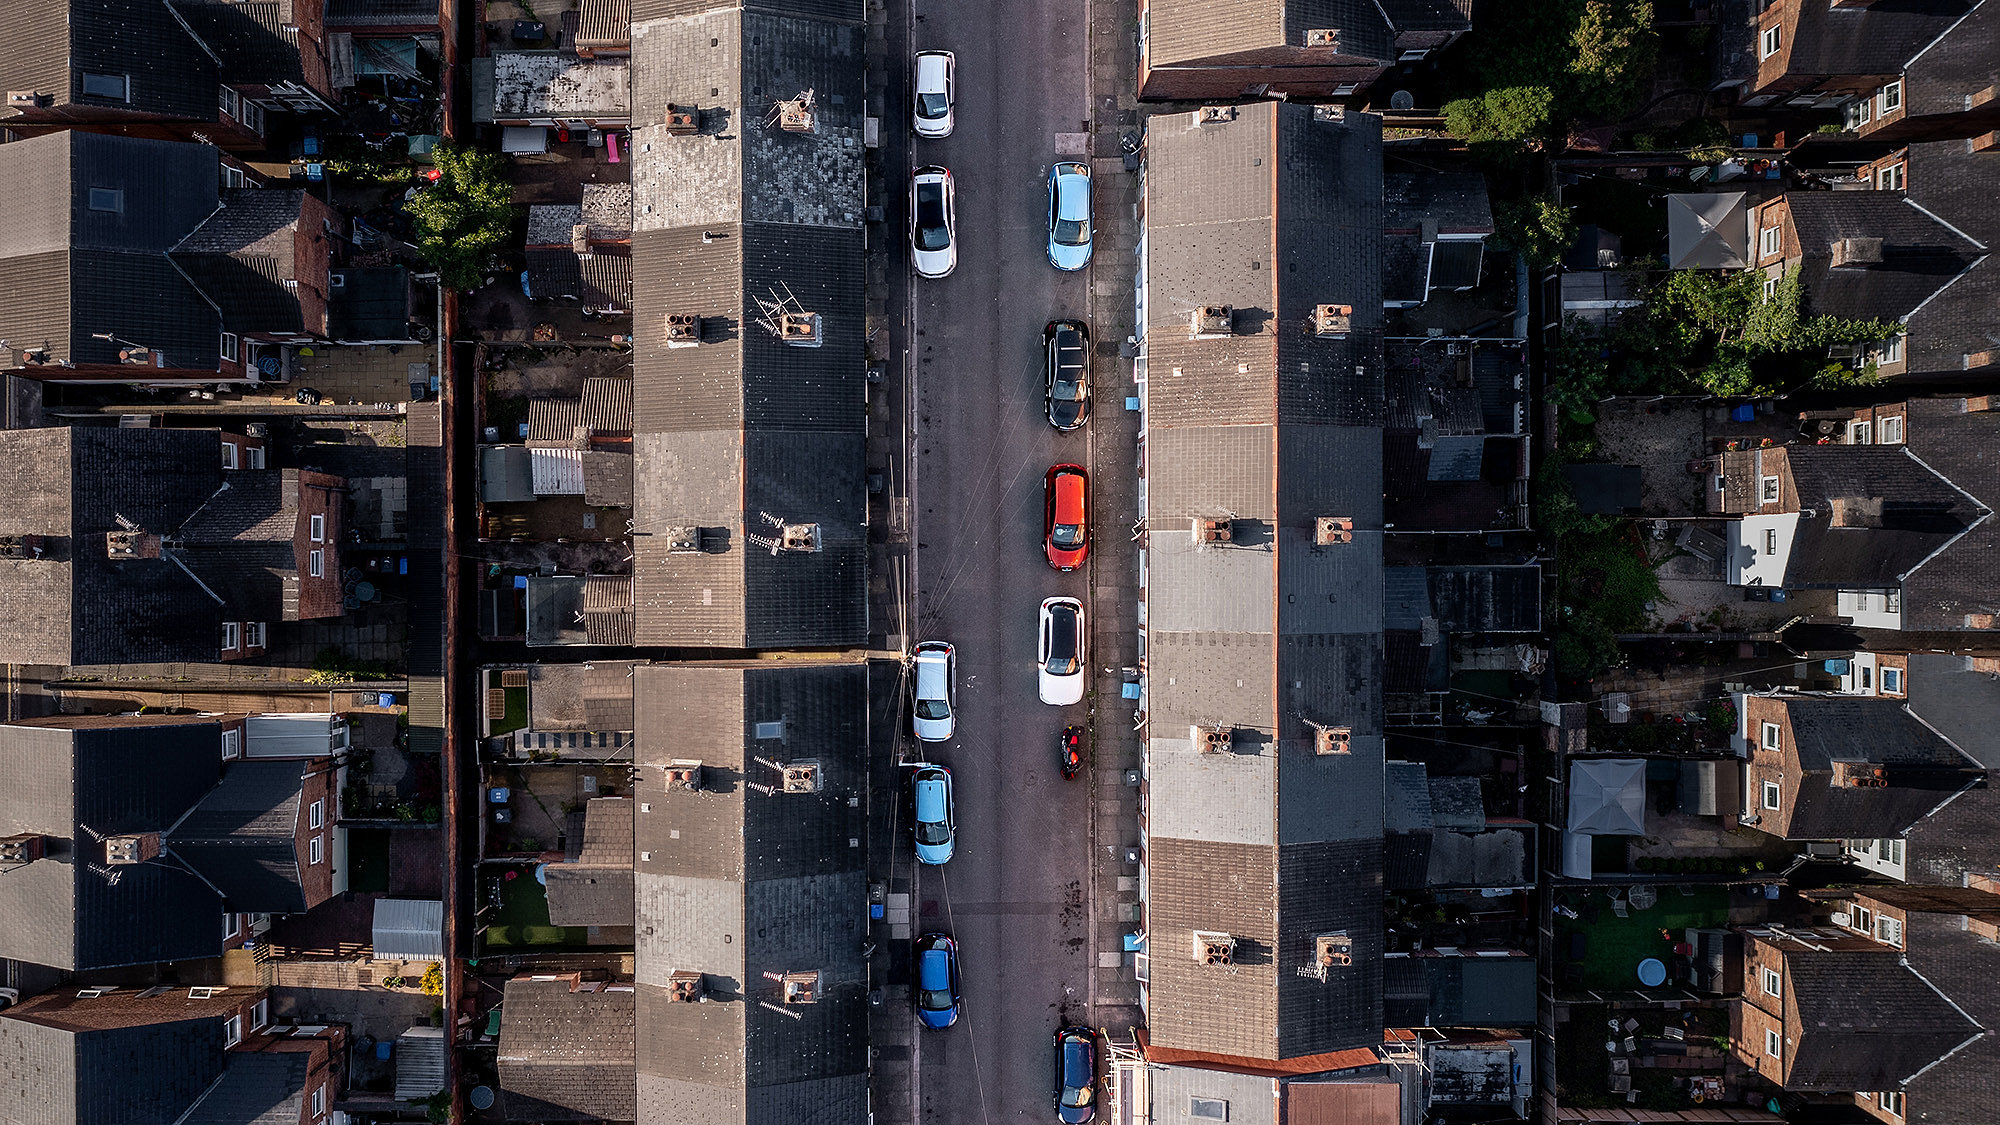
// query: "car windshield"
[[933, 709], [1067, 535], [932, 105], [932, 234], [1062, 641], [1071, 232], [1068, 386], [1077, 1095], [932, 833], [934, 1000]]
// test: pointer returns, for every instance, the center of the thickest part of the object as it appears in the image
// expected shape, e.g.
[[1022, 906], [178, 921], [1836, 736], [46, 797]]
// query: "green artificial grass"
[[1614, 946], [367, 859], [523, 917]]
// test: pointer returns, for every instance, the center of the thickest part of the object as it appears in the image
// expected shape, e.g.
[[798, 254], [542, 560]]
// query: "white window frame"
[[319, 1101], [1889, 177], [233, 177], [1770, 240], [1773, 1044], [1889, 930], [1771, 736], [255, 456], [232, 1031], [232, 636], [1770, 286], [1770, 540], [316, 850], [316, 815], [1770, 981], [1414, 54], [229, 458], [232, 744], [1892, 681], [231, 347], [255, 634], [1890, 99], [1721, 483], [1773, 796], [1861, 433], [1891, 1102], [1891, 349], [232, 924], [1769, 490], [1861, 919], [1859, 112], [252, 117], [260, 1015], [1770, 42], [1894, 852], [1865, 674], [228, 100], [316, 563], [1892, 428], [316, 524]]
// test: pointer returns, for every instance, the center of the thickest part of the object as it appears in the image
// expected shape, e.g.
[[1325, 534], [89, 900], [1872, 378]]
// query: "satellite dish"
[[1402, 99]]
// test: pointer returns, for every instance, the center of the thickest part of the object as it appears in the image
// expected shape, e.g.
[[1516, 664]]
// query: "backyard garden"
[[516, 912]]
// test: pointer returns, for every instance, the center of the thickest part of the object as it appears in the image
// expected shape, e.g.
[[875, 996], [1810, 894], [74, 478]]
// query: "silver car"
[[1069, 215], [933, 241], [932, 93], [936, 670]]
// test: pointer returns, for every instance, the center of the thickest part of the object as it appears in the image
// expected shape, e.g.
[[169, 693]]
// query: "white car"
[[1059, 670], [936, 672], [931, 93], [933, 239]]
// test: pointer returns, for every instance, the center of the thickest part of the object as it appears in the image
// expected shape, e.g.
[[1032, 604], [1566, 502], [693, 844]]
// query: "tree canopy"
[[466, 216]]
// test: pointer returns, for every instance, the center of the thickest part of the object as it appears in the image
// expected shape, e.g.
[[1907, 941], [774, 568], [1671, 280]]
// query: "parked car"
[[937, 981], [1069, 215], [936, 680], [930, 794], [932, 95], [1066, 372], [1076, 1075], [1059, 670], [1066, 516], [933, 241]]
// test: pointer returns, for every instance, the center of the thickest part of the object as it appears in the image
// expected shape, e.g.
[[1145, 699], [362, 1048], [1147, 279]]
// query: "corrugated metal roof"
[[407, 929]]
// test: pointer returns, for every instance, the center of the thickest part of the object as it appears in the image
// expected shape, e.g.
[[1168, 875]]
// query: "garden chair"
[[1618, 907]]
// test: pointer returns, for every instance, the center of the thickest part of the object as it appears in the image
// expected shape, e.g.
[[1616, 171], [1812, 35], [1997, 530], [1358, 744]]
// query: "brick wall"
[[316, 879]]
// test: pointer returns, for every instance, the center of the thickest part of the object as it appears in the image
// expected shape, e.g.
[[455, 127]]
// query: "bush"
[[466, 216], [1537, 229], [1509, 113]]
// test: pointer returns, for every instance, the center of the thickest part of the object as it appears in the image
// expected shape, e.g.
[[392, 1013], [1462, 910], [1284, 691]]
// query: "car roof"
[[934, 968], [1069, 489], [930, 675], [1076, 1054], [930, 67], [930, 797]]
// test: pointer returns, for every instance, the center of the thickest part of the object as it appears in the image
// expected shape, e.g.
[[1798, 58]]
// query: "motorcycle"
[[1071, 752]]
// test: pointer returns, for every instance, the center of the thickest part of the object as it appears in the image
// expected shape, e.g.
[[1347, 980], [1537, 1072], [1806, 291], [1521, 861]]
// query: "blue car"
[[930, 790], [937, 981], [1076, 1075], [1069, 215]]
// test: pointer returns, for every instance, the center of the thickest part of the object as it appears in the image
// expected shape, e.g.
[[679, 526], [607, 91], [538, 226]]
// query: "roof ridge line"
[[1941, 36], [1936, 218]]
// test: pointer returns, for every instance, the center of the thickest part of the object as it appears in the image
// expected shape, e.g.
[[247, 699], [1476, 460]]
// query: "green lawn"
[[1614, 946], [523, 917], [368, 859]]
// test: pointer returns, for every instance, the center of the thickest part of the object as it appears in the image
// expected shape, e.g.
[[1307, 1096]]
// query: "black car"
[[1066, 372], [1076, 1075]]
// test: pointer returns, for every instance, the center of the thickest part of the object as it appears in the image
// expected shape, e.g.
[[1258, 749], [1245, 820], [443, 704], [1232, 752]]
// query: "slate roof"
[[1959, 700], [596, 888], [84, 270], [1921, 513], [1864, 1021], [1269, 427], [1876, 39], [1192, 31], [743, 431], [1957, 581], [47, 46], [76, 605], [1959, 63], [1920, 254], [1963, 966], [75, 779], [1418, 209], [742, 885], [1959, 320], [1924, 771], [1487, 599], [242, 837], [566, 1056], [583, 697], [115, 1060], [255, 42], [256, 1088], [242, 255]]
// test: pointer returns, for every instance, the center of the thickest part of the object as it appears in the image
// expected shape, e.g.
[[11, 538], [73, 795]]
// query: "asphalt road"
[[1015, 892]]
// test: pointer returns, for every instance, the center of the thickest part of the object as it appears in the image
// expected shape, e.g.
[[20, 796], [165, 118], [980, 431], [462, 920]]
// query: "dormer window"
[[1774, 796], [1889, 177], [1890, 99], [1769, 241], [1770, 736], [117, 87], [1892, 681], [1772, 40], [1768, 492]]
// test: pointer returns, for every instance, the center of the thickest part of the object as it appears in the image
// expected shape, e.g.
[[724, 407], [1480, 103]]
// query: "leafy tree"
[[1614, 44], [1537, 229], [1508, 113], [466, 216], [1591, 58]]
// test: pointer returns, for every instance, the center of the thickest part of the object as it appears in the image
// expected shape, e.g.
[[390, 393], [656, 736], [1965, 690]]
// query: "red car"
[[1066, 516]]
